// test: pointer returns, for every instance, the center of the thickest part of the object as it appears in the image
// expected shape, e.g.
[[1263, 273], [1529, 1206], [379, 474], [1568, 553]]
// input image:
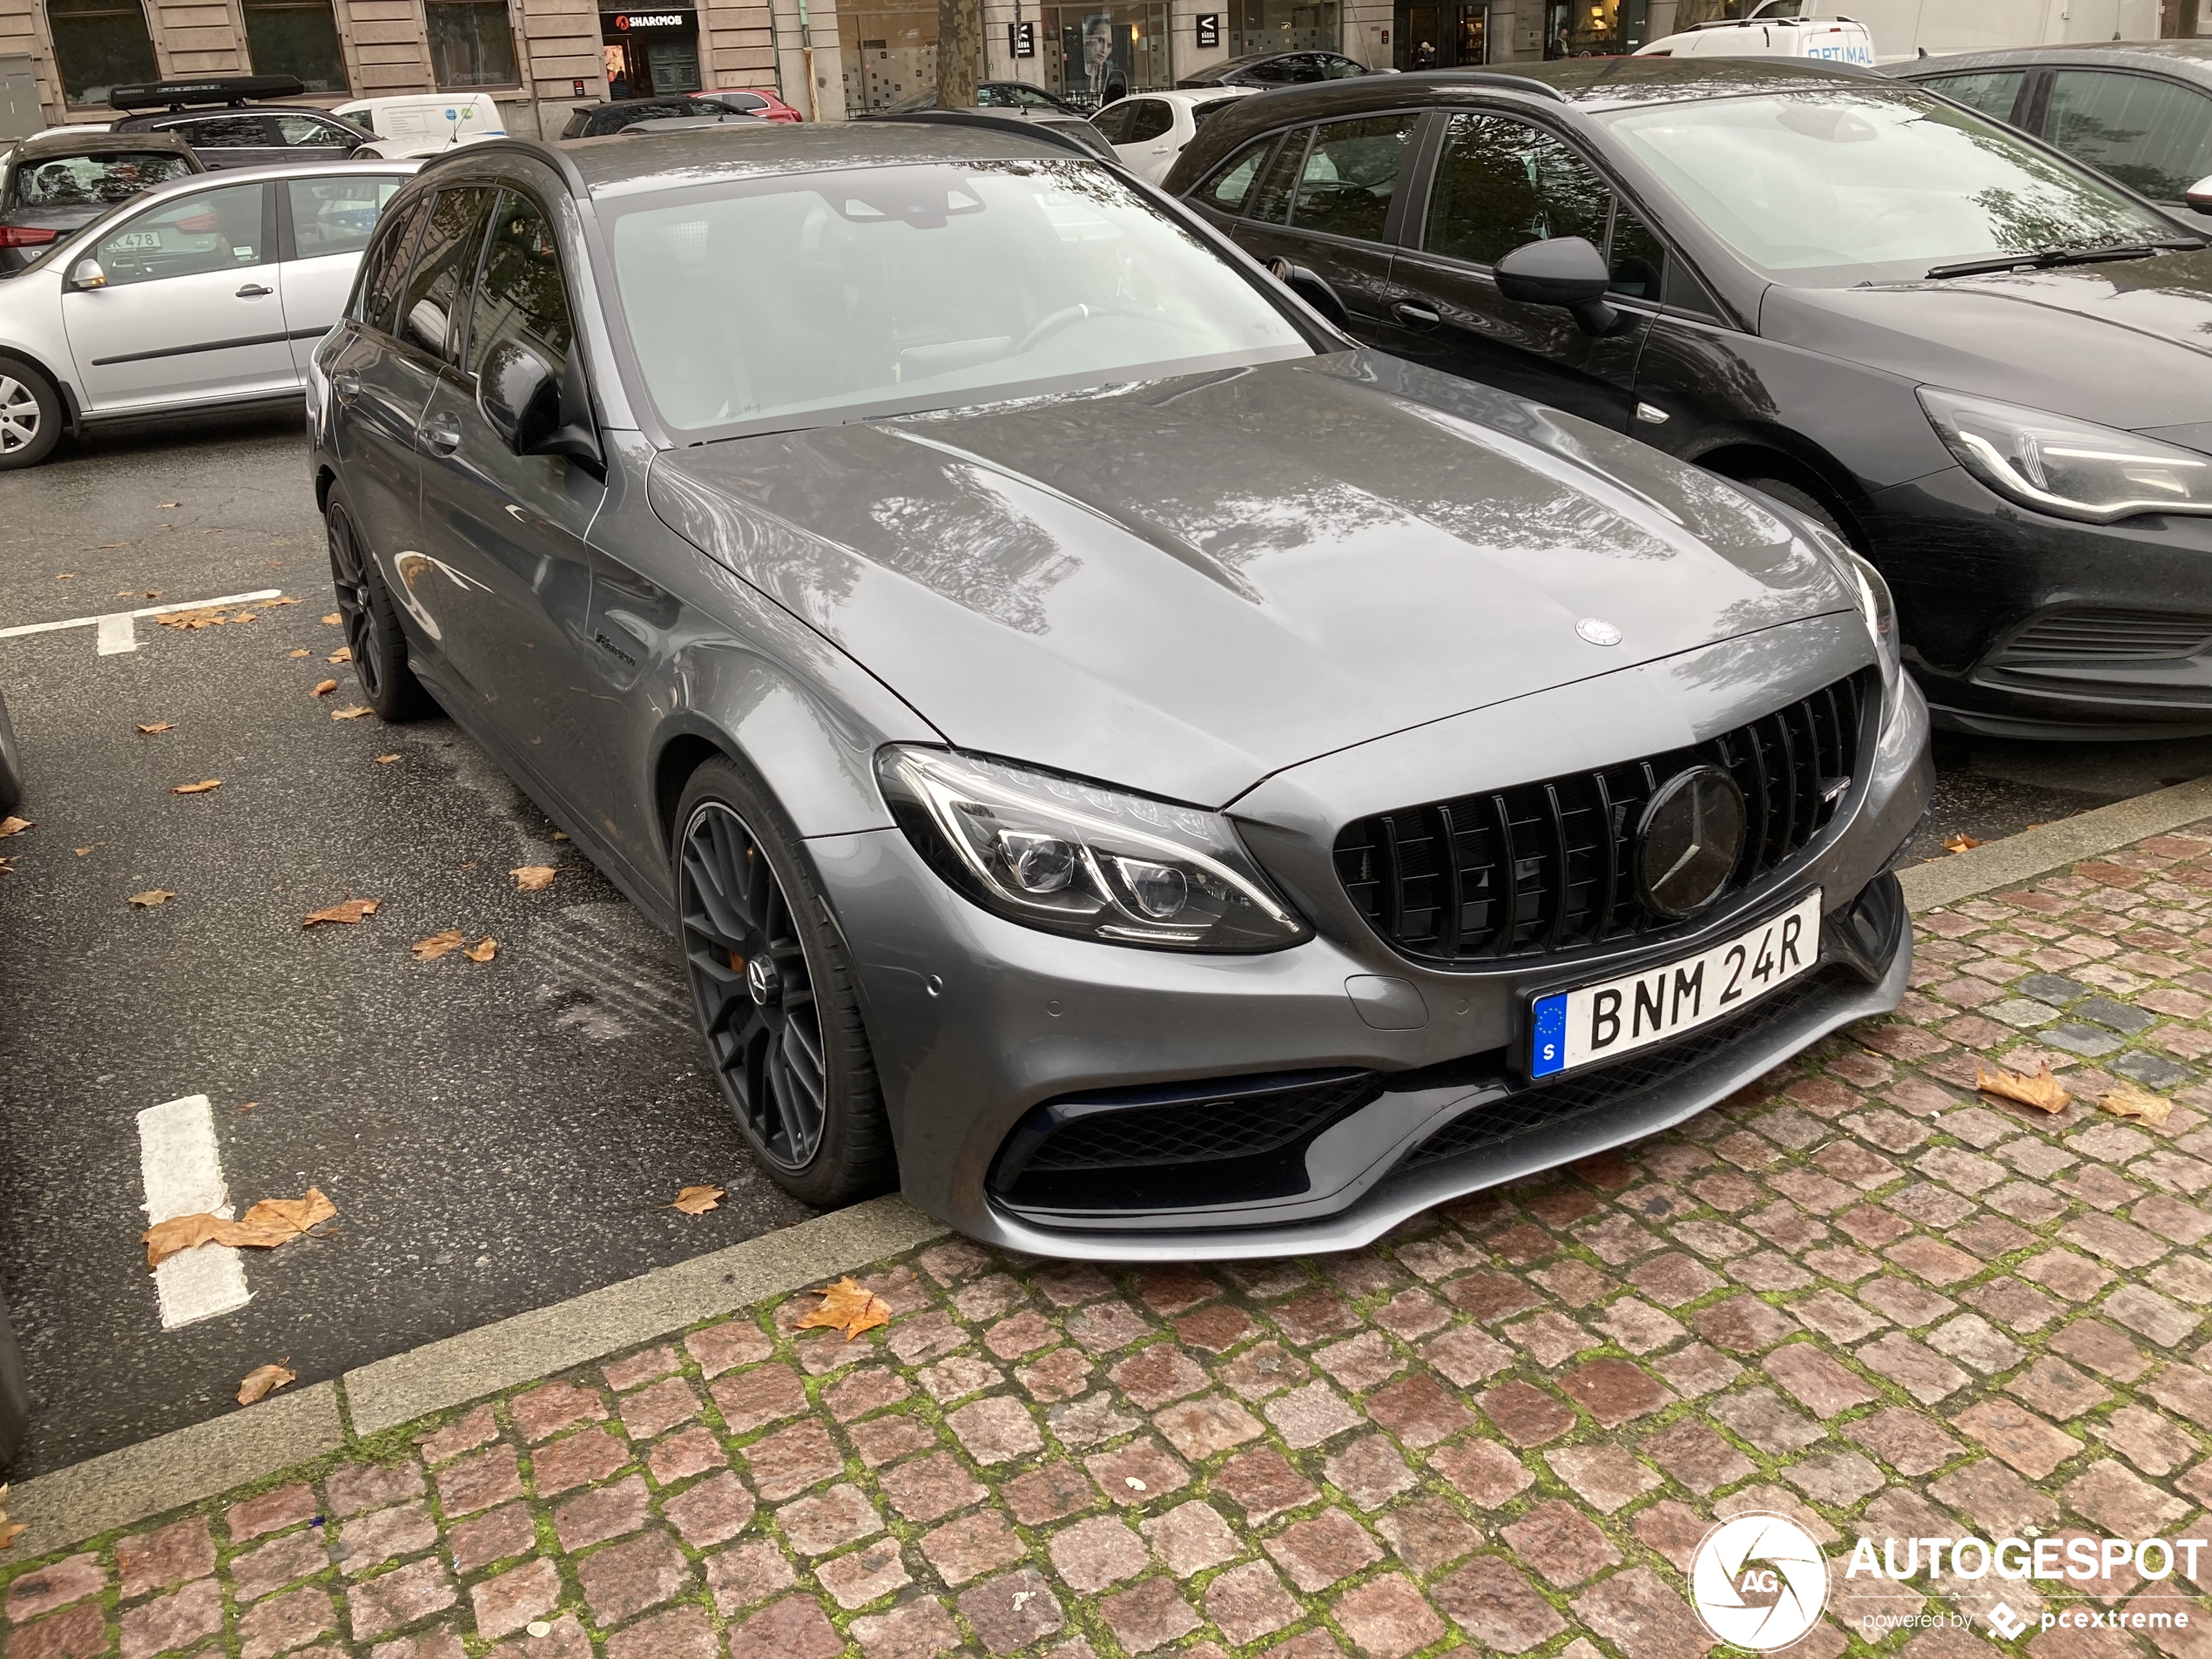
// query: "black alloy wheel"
[[372, 626], [772, 992]]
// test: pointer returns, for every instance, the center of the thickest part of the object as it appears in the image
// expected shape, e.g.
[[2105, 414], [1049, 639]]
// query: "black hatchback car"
[[1982, 363], [229, 120], [1277, 68]]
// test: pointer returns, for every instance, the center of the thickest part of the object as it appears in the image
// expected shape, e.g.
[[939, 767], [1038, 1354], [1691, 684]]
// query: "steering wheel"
[[1062, 318]]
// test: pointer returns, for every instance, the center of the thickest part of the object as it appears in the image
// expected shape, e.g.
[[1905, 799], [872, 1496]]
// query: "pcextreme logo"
[[1758, 1581]]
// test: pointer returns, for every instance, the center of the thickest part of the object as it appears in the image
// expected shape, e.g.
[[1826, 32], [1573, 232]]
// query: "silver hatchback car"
[[1150, 777], [204, 291]]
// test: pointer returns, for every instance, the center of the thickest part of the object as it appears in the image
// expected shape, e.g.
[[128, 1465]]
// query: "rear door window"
[[1115, 120], [1350, 175], [1231, 182], [444, 266], [1151, 119], [384, 269], [2154, 136], [1270, 199]]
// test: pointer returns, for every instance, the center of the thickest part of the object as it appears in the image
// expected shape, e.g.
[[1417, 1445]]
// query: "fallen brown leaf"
[[292, 1216], [199, 788], [2042, 1091], [171, 504], [151, 897], [386, 760], [9, 1530], [1960, 843], [343, 654], [157, 726], [348, 911], [848, 1307], [483, 950], [302, 652], [248, 1105], [324, 688], [532, 877], [332, 620], [2127, 1101], [697, 1201], [7, 867], [270, 605], [16, 826], [82, 850], [206, 617], [268, 1224], [65, 575], [262, 1381], [352, 711], [437, 945]]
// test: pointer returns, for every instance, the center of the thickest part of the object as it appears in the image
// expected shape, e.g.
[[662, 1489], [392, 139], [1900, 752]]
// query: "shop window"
[[296, 38], [470, 44], [100, 44], [1282, 26], [1094, 57]]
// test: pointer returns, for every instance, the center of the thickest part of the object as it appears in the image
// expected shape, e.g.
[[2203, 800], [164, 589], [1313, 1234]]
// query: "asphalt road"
[[496, 1136]]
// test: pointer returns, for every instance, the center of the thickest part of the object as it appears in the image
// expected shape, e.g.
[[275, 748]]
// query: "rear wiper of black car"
[[2039, 258]]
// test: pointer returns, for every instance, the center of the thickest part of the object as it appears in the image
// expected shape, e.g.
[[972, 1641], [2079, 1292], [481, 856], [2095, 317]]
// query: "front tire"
[[31, 415], [773, 990], [372, 624]]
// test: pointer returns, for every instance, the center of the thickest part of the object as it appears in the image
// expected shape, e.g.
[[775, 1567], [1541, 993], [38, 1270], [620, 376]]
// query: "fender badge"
[[1598, 632]]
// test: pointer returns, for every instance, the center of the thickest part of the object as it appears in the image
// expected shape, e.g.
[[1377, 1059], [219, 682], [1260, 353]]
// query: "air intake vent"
[[1548, 866], [2067, 637]]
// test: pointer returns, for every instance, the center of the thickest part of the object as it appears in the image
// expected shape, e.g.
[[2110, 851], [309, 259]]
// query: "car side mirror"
[[86, 274], [1564, 270], [2200, 196], [537, 408], [1313, 288]]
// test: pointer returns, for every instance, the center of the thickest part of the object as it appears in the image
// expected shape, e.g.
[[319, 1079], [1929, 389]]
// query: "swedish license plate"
[[1618, 1016]]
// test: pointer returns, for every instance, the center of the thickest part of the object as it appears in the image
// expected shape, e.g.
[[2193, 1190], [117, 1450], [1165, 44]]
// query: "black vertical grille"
[[1547, 866]]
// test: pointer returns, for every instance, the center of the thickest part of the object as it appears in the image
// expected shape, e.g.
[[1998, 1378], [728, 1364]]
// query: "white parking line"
[[117, 630], [183, 1170]]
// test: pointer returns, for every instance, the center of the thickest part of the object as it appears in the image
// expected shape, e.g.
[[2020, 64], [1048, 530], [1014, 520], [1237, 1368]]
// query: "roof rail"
[[988, 121], [213, 89], [1484, 78]]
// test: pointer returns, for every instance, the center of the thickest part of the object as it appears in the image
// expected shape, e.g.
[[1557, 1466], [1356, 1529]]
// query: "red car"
[[769, 106]]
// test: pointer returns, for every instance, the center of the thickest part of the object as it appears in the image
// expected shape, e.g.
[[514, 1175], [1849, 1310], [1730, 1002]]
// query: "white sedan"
[[1148, 130], [210, 290]]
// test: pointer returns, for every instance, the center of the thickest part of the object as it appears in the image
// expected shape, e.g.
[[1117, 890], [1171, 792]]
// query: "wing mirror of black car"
[[86, 274], [2200, 196], [538, 408], [1566, 270], [1313, 288]]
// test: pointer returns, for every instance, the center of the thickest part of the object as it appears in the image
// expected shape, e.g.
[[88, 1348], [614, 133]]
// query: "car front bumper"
[[975, 1022]]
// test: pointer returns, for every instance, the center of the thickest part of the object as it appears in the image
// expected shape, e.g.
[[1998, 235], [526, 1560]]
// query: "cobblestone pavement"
[[1855, 1293]]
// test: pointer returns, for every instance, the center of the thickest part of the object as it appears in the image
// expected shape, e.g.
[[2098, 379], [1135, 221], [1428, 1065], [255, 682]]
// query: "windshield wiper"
[[2043, 258]]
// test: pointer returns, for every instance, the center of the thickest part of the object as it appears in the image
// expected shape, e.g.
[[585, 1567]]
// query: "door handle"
[[346, 385], [442, 436], [1415, 316], [253, 291]]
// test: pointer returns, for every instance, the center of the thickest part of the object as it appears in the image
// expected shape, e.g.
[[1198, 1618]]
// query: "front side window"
[[296, 38], [311, 132], [335, 214], [1232, 181], [444, 264], [1840, 187], [2152, 136], [1502, 184], [804, 300], [1993, 93], [520, 297], [209, 230], [91, 181], [1350, 174], [471, 44], [99, 46]]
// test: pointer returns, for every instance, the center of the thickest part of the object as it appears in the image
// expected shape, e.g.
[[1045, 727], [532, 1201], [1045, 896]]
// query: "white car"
[[212, 289], [423, 124], [1770, 33], [1148, 130]]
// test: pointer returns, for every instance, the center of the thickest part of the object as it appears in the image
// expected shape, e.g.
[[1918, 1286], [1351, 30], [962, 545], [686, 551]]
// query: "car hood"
[[2125, 344], [1183, 585]]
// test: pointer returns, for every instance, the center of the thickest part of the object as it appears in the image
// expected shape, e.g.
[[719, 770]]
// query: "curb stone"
[[2049, 846]]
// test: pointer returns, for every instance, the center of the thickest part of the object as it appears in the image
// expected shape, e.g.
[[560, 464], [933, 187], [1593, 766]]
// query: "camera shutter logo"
[[1759, 1582]]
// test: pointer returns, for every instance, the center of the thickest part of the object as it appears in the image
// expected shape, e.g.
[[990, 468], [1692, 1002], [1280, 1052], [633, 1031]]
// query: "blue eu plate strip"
[[1548, 1041]]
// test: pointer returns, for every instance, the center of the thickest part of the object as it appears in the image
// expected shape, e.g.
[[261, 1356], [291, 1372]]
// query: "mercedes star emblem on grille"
[[1691, 836]]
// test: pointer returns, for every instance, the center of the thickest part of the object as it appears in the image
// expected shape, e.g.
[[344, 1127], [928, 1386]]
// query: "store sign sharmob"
[[631, 23]]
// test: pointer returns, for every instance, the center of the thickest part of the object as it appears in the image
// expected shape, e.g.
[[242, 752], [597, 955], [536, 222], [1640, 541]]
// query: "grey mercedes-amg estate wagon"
[[1139, 771]]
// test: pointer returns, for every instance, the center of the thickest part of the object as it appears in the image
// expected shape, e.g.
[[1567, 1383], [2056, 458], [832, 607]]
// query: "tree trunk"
[[960, 48]]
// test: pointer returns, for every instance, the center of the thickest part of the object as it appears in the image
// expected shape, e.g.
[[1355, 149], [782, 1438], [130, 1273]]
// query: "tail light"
[[25, 236]]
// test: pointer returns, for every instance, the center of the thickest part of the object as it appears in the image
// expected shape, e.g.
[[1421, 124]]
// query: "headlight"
[[1880, 611], [2069, 468], [1076, 858]]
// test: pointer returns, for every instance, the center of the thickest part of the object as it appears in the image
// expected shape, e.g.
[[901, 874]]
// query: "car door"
[[1329, 201], [2152, 134], [1496, 184], [1147, 146], [511, 527], [190, 310], [235, 139], [324, 221]]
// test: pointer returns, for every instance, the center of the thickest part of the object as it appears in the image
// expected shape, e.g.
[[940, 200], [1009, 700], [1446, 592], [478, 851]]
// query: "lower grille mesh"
[[2106, 635], [1196, 1131]]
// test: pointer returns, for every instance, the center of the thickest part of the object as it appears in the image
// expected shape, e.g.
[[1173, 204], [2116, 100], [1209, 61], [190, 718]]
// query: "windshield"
[[1835, 187], [93, 181], [863, 293]]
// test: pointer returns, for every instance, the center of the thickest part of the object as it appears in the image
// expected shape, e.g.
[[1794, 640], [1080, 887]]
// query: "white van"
[[423, 124], [1839, 40]]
